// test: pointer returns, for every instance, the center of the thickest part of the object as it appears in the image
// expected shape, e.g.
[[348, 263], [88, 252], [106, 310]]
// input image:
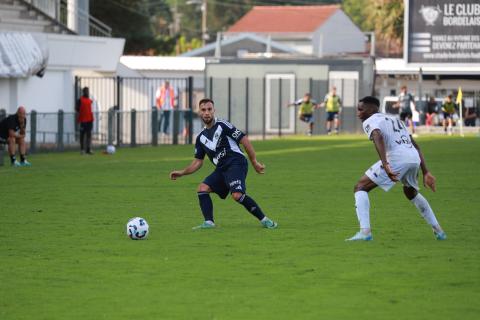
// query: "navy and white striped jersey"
[[220, 143]]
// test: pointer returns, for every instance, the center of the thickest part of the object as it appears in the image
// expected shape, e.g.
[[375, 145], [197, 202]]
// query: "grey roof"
[[237, 39]]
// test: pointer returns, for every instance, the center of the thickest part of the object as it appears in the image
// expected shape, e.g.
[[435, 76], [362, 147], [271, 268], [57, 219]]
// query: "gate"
[[119, 96]]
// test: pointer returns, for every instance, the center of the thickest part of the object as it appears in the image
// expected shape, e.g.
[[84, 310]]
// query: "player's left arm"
[[377, 139], [428, 178], [259, 167]]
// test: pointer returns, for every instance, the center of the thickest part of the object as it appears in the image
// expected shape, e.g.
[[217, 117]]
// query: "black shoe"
[[90, 152]]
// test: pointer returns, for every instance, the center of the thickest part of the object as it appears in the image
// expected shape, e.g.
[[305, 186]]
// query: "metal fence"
[[259, 106], [125, 112], [58, 131]]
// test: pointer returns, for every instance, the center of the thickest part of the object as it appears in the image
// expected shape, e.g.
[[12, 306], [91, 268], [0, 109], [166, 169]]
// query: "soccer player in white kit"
[[400, 160]]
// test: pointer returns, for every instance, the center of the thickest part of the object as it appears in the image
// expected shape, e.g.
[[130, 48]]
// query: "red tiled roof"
[[284, 18]]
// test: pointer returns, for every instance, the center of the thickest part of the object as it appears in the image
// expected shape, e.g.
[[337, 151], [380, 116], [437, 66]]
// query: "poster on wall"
[[442, 31]]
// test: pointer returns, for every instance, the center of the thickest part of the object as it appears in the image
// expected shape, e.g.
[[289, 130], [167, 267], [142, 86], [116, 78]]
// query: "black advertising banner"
[[443, 31]]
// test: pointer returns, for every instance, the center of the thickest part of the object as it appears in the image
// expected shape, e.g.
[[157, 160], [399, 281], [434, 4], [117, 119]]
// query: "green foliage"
[[385, 17], [356, 10], [183, 45], [64, 252]]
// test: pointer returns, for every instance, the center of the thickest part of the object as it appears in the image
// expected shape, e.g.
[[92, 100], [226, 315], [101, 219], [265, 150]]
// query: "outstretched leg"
[[254, 209], [425, 211]]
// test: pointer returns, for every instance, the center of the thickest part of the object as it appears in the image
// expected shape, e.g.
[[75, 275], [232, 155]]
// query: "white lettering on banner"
[[467, 9]]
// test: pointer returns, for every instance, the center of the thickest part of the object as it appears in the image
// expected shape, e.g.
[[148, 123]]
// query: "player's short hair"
[[205, 100], [371, 101], [403, 87]]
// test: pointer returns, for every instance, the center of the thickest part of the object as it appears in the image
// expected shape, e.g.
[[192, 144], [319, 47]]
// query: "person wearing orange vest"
[[85, 118], [165, 100]]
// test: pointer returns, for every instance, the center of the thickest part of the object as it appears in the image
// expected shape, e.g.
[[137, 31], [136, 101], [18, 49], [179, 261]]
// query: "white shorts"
[[408, 175]]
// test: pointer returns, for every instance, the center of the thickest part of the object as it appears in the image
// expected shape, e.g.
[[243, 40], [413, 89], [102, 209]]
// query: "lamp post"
[[203, 8]]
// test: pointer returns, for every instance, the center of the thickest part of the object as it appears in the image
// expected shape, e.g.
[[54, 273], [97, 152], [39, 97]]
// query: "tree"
[[384, 17], [144, 27]]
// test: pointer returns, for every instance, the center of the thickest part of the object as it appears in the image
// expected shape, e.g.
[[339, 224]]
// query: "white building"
[[41, 54]]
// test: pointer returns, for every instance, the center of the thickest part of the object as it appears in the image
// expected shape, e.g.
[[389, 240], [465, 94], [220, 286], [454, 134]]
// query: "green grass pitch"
[[64, 253]]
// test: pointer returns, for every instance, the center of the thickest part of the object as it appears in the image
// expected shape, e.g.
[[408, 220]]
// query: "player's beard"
[[208, 121]]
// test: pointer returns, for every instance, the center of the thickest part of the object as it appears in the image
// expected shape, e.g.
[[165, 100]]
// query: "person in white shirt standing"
[[400, 160]]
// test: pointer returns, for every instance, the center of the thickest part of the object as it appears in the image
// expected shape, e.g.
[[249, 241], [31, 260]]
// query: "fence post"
[[190, 107], [280, 107], [110, 126], [76, 93], [3, 114], [176, 125], [229, 99], [264, 108], [60, 130], [33, 131], [133, 127], [154, 126], [118, 124], [247, 98], [119, 108], [211, 88]]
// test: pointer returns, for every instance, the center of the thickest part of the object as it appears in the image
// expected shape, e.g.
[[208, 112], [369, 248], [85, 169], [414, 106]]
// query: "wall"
[[338, 35], [48, 94]]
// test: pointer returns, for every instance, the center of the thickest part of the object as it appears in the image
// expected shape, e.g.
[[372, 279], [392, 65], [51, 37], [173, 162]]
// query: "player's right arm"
[[193, 167], [295, 103], [11, 130], [377, 139], [428, 178]]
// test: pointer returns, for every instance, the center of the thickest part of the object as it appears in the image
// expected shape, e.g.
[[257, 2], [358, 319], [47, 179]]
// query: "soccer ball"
[[137, 228], [110, 149]]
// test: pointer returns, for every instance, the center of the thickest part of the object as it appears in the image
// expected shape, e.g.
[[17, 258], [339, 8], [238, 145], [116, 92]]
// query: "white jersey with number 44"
[[398, 143]]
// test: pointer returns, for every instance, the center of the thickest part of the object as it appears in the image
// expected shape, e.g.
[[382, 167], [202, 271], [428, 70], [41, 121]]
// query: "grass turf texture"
[[64, 253]]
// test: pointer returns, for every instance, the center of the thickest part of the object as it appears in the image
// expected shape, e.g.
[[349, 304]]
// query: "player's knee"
[[202, 187], [410, 192], [358, 187], [11, 140], [237, 196]]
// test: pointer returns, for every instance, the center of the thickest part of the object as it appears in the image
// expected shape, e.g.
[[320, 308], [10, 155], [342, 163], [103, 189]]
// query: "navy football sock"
[[13, 158], [251, 206], [206, 205]]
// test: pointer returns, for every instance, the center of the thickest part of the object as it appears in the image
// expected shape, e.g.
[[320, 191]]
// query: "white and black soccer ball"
[[137, 228], [111, 149]]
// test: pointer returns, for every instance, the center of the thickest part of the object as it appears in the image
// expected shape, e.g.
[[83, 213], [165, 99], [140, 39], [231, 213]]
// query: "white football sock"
[[362, 205], [425, 210]]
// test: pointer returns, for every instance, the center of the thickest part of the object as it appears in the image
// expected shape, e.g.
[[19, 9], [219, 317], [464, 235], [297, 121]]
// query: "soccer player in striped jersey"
[[220, 141], [400, 160]]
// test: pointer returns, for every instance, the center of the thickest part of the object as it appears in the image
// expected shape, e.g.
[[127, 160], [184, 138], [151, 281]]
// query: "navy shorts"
[[228, 180], [405, 115], [332, 115], [447, 115], [306, 117]]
